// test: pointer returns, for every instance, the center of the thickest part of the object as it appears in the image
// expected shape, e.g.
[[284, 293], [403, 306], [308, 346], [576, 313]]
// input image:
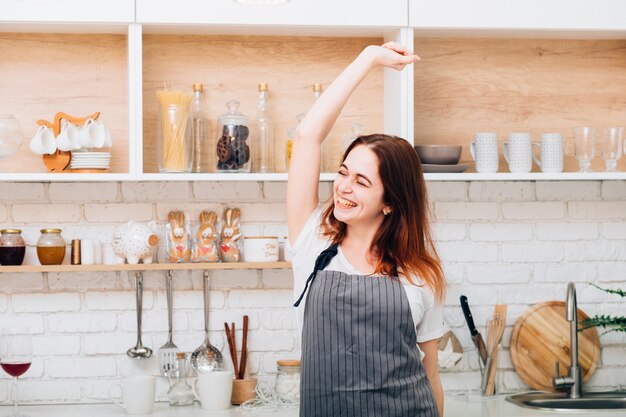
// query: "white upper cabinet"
[[342, 13], [67, 11], [540, 15]]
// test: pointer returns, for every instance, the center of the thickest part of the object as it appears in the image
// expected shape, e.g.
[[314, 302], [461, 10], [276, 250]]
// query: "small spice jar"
[[12, 247], [287, 384], [51, 247]]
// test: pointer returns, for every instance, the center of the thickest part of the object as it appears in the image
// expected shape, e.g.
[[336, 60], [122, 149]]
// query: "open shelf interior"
[[505, 85], [230, 67], [78, 74]]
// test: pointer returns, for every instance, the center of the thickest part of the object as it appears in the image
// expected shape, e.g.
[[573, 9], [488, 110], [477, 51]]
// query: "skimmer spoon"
[[199, 359]]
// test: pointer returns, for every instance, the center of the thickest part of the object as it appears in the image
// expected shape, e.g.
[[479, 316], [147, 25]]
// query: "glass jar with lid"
[[180, 392], [233, 147], [12, 247], [51, 247], [287, 385]]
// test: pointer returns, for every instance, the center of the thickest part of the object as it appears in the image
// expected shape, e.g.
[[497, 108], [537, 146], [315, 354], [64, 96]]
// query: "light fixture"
[[261, 2]]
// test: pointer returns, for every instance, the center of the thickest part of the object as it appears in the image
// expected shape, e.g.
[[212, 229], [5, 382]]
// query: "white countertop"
[[454, 406]]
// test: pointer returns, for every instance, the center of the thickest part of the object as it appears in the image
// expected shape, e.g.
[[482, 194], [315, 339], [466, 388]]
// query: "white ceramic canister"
[[260, 248]]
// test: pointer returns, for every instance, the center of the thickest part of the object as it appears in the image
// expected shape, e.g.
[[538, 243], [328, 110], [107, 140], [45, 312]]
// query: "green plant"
[[608, 322]]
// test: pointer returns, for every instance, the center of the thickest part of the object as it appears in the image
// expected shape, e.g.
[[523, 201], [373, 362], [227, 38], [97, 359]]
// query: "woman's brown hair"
[[403, 244]]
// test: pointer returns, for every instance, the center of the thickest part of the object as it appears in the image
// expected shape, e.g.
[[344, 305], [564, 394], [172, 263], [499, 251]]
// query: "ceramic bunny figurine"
[[231, 233], [205, 245], [135, 242], [178, 249]]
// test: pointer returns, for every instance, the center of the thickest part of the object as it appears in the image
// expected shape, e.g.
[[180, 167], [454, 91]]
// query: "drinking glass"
[[584, 147], [16, 355], [611, 143]]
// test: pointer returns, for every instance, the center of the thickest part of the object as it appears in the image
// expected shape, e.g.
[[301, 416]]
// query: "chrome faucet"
[[573, 381]]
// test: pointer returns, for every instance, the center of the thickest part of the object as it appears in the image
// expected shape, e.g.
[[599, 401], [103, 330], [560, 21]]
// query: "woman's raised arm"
[[304, 171]]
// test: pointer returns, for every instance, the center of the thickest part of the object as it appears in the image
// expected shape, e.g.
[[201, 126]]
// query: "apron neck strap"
[[321, 262]]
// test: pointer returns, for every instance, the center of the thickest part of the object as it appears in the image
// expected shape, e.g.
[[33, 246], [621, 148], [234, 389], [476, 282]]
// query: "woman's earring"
[[386, 210]]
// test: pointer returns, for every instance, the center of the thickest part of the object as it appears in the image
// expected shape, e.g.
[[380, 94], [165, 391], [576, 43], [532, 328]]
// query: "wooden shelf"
[[217, 266], [531, 176]]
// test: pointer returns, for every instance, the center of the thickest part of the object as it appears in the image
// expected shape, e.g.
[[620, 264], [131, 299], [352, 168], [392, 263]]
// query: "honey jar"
[[51, 247]]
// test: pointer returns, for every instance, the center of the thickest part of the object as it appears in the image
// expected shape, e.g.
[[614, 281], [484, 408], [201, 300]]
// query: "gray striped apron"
[[359, 348]]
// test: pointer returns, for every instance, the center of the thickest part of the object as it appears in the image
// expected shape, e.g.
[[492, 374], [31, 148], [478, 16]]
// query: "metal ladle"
[[139, 351], [199, 359]]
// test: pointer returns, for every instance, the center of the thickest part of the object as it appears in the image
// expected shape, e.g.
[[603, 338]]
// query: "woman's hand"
[[391, 55]]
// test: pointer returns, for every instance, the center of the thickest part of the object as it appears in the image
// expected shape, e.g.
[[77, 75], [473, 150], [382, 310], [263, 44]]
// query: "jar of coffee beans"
[[233, 146]]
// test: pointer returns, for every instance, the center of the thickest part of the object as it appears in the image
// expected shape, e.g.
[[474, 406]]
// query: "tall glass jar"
[[287, 384], [12, 247], [174, 141], [264, 133], [233, 147], [203, 155], [51, 247]]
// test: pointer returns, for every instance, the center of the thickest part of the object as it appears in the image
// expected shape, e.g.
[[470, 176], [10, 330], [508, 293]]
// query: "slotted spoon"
[[199, 360], [167, 352]]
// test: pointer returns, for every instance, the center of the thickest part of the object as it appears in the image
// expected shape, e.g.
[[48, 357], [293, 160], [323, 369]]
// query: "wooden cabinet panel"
[[463, 86], [230, 68], [77, 74]]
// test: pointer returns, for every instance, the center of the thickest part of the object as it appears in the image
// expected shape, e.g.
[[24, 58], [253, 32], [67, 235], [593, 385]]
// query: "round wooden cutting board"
[[541, 337]]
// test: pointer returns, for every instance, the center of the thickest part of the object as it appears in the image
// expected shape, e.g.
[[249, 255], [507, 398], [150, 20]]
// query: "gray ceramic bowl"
[[439, 154]]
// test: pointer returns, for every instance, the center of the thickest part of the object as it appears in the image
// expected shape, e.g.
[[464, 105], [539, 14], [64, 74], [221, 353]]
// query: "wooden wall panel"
[[505, 85], [43, 74], [231, 67]]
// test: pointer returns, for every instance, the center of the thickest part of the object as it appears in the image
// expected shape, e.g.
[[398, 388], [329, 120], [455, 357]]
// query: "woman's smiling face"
[[358, 190]]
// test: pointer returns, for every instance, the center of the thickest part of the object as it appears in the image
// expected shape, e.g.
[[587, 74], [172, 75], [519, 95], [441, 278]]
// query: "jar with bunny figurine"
[[205, 243], [231, 236], [178, 244]]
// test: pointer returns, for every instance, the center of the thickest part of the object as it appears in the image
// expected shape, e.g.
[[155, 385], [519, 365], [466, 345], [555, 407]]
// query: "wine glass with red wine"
[[16, 355]]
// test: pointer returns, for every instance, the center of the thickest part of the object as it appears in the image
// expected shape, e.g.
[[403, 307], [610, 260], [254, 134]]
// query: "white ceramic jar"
[[260, 248]]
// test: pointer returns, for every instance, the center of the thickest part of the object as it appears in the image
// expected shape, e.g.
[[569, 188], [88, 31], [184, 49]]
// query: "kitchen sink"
[[595, 400]]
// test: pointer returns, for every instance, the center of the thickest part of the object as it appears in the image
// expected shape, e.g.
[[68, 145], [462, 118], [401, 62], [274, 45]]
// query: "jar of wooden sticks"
[[244, 389]]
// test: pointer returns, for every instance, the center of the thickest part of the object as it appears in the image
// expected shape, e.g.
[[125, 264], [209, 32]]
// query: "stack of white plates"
[[90, 160]]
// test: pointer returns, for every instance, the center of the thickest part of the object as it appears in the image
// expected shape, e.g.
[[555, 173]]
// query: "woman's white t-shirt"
[[427, 314]]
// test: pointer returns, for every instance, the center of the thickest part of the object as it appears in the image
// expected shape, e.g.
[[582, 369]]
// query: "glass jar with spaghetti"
[[233, 147], [174, 141]]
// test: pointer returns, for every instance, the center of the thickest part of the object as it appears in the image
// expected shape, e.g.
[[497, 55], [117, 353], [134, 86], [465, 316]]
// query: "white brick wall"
[[508, 242]]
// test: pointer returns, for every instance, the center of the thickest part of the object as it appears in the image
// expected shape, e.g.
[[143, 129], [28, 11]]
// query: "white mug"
[[551, 145], [260, 248], [87, 256], [518, 152], [95, 134], [137, 394], [214, 389], [43, 142], [484, 150], [97, 252], [69, 138]]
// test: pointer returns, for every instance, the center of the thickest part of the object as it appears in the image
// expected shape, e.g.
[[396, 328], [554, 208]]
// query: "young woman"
[[368, 282]]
